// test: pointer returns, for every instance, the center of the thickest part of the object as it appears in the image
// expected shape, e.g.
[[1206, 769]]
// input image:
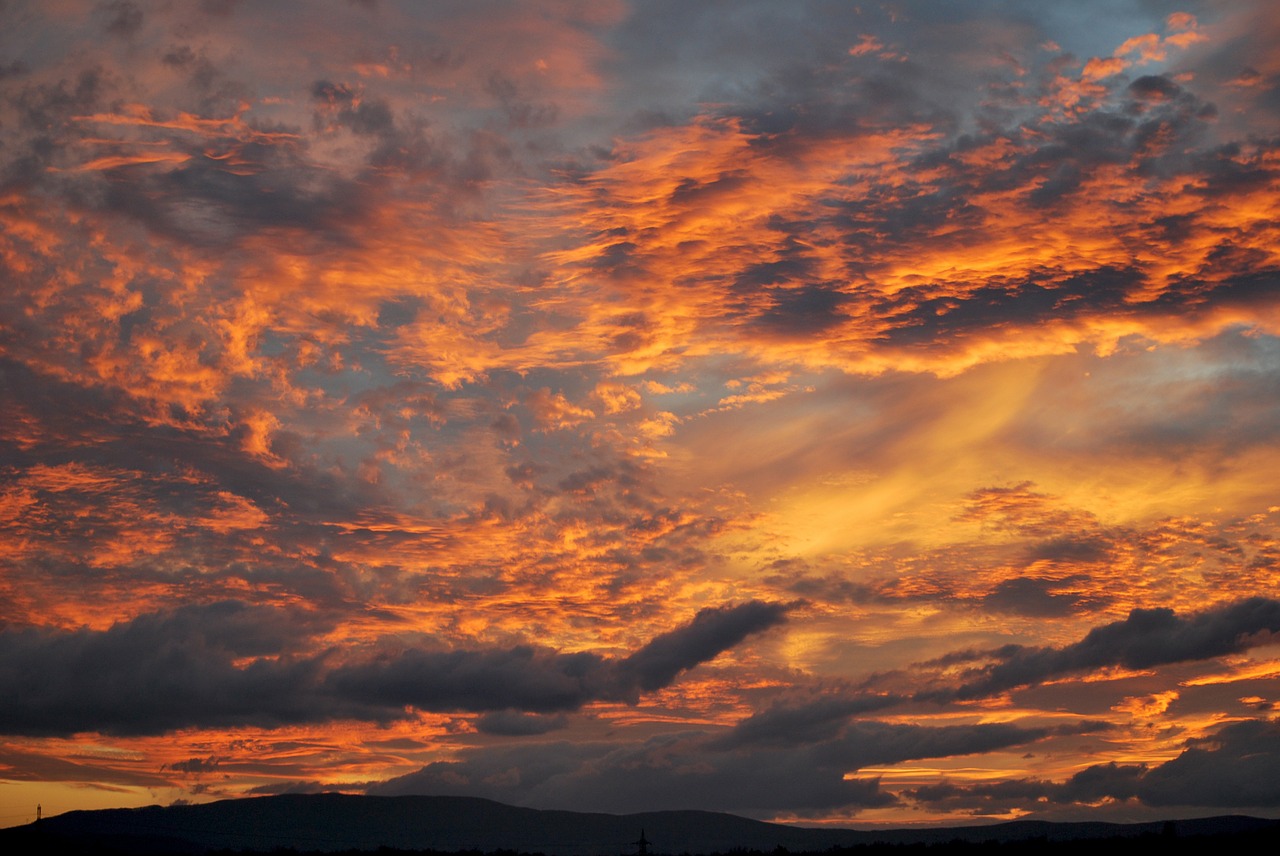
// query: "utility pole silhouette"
[[642, 844], [38, 817]]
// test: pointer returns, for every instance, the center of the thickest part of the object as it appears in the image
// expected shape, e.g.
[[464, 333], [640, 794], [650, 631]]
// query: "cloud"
[[543, 681], [1237, 766], [160, 672], [1042, 597], [123, 18], [234, 664], [195, 765], [1146, 638], [20, 765], [811, 721], [1155, 88], [425, 367], [712, 630], [1234, 767], [694, 770], [522, 677], [513, 723]]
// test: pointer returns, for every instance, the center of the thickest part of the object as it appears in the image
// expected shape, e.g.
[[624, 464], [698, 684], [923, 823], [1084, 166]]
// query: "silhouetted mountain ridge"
[[335, 822]]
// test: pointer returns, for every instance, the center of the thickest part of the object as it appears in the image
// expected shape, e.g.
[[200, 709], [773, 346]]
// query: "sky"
[[826, 412]]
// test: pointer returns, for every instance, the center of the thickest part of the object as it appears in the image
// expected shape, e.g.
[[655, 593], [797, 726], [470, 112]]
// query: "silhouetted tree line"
[[1166, 843]]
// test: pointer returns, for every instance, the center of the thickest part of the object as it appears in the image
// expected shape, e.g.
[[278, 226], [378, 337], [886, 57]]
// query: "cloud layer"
[[631, 404], [234, 664]]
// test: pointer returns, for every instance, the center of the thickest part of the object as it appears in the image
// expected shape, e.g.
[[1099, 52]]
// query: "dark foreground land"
[[335, 824]]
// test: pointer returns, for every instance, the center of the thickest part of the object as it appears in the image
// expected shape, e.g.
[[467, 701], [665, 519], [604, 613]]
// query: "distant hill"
[[337, 822]]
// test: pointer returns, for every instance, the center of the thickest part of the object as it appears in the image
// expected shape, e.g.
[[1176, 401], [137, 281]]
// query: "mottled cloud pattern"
[[856, 413]]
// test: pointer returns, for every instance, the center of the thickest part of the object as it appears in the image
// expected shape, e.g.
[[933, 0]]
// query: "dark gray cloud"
[[13, 68], [361, 115], [1153, 87], [51, 107], [1036, 597], [805, 310], [1103, 781], [182, 668], [1146, 638], [1237, 767], [713, 630], [521, 110], [206, 204], [121, 17], [922, 317], [695, 770], [514, 723], [522, 677], [160, 672], [544, 681], [1090, 786], [1071, 549], [980, 798], [810, 721], [195, 765], [865, 743]]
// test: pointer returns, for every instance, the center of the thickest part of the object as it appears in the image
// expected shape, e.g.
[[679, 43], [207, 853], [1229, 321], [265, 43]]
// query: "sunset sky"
[[854, 413]]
